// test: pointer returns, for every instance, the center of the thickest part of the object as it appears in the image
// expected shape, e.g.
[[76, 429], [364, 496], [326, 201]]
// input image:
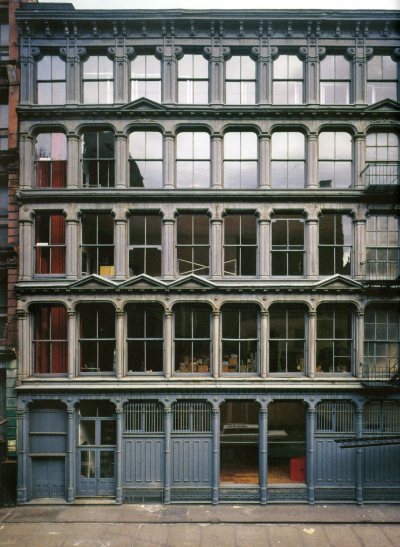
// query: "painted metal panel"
[[48, 477], [143, 461], [191, 461], [333, 465], [49, 420], [381, 465], [48, 444]]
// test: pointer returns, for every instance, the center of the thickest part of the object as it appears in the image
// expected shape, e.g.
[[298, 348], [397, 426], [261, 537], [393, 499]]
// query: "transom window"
[[288, 160], [145, 338], [287, 246], [193, 79], [97, 244], [287, 339], [287, 84], [143, 417], [96, 337], [240, 159], [381, 79], [240, 80], [98, 158], [50, 244], [193, 244], [145, 245], [145, 159], [50, 80], [192, 339], [240, 245], [335, 417], [383, 244], [193, 159], [381, 418], [335, 80], [239, 339], [146, 78], [334, 338], [382, 338], [191, 417], [98, 85], [50, 341], [51, 160], [335, 244], [335, 159]]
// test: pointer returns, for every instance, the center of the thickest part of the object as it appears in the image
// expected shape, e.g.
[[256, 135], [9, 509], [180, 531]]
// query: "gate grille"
[[191, 417], [143, 417], [335, 417], [381, 417]]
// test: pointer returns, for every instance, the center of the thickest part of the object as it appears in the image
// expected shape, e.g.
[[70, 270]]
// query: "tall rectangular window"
[[383, 247], [382, 156], [98, 158], [381, 79], [4, 119], [98, 80], [382, 337], [240, 160], [97, 337], [3, 210], [50, 80], [50, 244], [239, 339], [287, 84], [145, 245], [287, 338], [145, 338], [4, 40], [287, 251], [287, 160], [3, 304], [50, 343], [146, 78], [192, 339], [240, 80], [334, 338], [240, 245], [193, 79], [335, 159], [97, 244], [193, 159], [193, 244], [335, 80], [51, 160], [145, 159], [335, 244]]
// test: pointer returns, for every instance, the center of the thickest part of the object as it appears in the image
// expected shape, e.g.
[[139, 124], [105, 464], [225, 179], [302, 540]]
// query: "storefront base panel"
[[287, 493], [240, 495], [327, 494], [191, 495], [142, 495], [379, 494]]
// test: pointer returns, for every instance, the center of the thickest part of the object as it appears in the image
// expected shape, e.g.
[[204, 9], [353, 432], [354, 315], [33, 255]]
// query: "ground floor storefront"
[[223, 447]]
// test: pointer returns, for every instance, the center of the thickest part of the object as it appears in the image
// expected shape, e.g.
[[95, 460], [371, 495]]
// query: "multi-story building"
[[209, 250]]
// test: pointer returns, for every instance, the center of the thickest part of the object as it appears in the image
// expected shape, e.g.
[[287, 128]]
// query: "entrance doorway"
[[239, 442], [286, 442]]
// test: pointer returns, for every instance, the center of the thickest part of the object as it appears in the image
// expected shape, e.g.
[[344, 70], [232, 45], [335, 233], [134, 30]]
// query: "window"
[[193, 244], [4, 40], [287, 85], [240, 80], [145, 338], [382, 155], [240, 245], [146, 78], [97, 244], [51, 160], [287, 252], [239, 339], [143, 417], [50, 244], [192, 339], [287, 338], [50, 344], [145, 245], [145, 159], [381, 79], [334, 338], [193, 79], [335, 80], [96, 337], [191, 417], [3, 119], [381, 418], [381, 338], [98, 158], [288, 160], [98, 87], [335, 244], [240, 160], [3, 304], [3, 210], [382, 247], [335, 417], [51, 80], [335, 159], [193, 160]]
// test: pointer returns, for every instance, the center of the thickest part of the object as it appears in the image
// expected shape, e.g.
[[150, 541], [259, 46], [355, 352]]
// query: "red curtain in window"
[[57, 230], [41, 340], [43, 174], [59, 174], [59, 340], [50, 340]]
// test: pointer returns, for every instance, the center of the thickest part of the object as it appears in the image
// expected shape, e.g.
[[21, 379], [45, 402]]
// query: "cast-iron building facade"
[[209, 252]]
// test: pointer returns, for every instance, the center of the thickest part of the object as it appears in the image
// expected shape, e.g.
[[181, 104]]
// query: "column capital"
[[119, 314], [167, 313], [312, 313], [169, 53], [264, 214], [264, 313], [264, 54], [216, 313], [359, 55], [217, 53], [312, 54], [120, 214]]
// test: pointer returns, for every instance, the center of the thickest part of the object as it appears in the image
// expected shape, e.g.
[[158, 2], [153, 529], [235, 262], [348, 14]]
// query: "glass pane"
[[106, 465], [183, 323], [230, 324], [326, 145], [184, 229], [135, 319], [200, 92], [279, 263], [279, 232], [153, 224], [107, 432], [201, 148], [248, 324], [248, 263], [326, 261], [87, 432], [88, 465], [280, 67], [343, 324], [327, 67], [201, 324], [154, 356], [343, 145], [200, 67], [154, 323], [248, 142], [296, 146], [44, 68], [232, 146], [248, 229], [326, 229], [232, 229], [200, 229], [184, 145], [137, 230], [279, 144], [136, 356]]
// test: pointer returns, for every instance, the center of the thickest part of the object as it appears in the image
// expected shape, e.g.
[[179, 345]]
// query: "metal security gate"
[[143, 450]]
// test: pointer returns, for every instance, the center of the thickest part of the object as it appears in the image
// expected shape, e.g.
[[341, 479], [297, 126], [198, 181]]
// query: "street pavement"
[[109, 525]]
